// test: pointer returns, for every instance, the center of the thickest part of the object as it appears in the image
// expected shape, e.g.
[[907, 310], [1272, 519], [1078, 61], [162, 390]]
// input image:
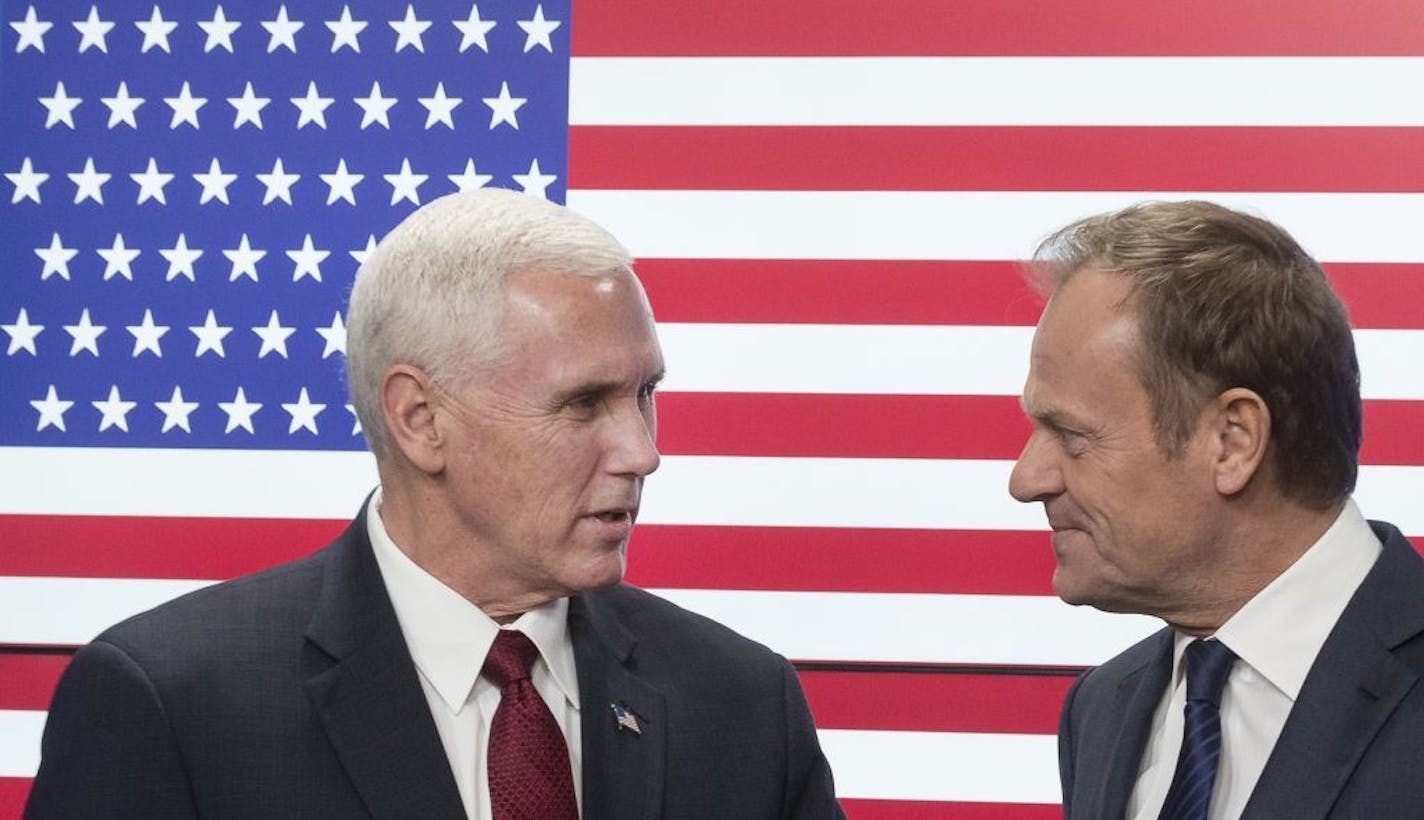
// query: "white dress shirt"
[[448, 638], [1275, 636]]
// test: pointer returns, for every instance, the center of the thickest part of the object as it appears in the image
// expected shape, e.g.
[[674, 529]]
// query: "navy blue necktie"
[[1208, 663]]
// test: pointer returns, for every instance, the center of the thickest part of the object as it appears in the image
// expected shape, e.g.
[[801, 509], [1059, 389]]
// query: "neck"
[[1263, 543], [415, 521]]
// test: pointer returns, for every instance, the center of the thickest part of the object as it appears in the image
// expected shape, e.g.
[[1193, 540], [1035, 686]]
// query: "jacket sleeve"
[[108, 750], [810, 788]]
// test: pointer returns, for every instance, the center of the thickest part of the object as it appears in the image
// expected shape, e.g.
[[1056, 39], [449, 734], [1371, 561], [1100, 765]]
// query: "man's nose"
[[632, 443], [1036, 475]]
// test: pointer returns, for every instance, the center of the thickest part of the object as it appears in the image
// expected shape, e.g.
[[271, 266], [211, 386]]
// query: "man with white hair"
[[465, 648]]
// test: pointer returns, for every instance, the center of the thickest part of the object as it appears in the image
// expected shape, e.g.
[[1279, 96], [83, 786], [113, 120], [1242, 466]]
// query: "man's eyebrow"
[[609, 385], [1050, 416], [584, 388]]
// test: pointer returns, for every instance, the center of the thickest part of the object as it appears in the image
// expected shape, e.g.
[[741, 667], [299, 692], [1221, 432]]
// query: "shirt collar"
[[1281, 630], [448, 636]]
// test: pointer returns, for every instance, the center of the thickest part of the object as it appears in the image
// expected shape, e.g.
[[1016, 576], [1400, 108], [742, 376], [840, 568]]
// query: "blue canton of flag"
[[192, 187]]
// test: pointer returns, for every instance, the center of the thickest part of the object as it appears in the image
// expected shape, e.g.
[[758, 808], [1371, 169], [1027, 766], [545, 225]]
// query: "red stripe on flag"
[[142, 547], [770, 558], [967, 427], [933, 292], [936, 701], [923, 810], [840, 291], [1381, 295], [947, 701], [816, 559], [996, 27], [1394, 433], [847, 426], [27, 679], [1007, 158], [841, 560], [687, 557], [14, 791]]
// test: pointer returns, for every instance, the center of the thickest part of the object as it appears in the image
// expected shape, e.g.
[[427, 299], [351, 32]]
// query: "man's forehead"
[[576, 329], [1087, 338], [548, 292], [1093, 308]]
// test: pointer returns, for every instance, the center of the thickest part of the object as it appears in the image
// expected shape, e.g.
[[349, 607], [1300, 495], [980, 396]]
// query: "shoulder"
[[228, 617], [667, 634], [1105, 678]]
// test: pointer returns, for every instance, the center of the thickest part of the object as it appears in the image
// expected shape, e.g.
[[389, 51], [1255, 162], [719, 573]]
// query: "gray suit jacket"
[[1353, 746], [290, 693]]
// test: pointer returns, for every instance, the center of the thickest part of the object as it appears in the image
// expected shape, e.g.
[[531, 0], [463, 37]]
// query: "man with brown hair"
[[1194, 395]]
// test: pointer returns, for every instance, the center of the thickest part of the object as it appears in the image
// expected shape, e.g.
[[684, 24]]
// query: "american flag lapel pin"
[[625, 719]]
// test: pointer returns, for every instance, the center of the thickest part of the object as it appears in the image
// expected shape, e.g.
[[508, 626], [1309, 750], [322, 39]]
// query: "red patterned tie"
[[529, 777]]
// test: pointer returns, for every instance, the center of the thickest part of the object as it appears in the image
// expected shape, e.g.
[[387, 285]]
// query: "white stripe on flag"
[[928, 359], [945, 360], [1031, 630], [836, 492], [943, 766], [949, 91], [1391, 364], [698, 490], [182, 483], [1333, 227], [868, 764], [826, 626], [858, 359], [71, 611], [20, 732]]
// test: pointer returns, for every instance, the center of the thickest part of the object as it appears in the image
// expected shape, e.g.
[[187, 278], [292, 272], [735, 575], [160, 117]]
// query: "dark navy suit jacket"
[[1352, 747], [290, 693]]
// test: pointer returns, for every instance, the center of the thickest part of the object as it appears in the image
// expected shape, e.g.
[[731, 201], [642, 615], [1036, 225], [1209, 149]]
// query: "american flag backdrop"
[[826, 200]]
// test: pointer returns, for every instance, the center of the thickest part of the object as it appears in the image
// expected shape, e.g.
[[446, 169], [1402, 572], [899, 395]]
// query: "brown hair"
[[1227, 300]]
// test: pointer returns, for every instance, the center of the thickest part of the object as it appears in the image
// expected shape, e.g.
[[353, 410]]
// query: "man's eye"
[[587, 401], [645, 394], [1073, 441]]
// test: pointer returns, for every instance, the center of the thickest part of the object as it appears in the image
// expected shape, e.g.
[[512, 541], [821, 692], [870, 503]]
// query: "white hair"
[[431, 294]]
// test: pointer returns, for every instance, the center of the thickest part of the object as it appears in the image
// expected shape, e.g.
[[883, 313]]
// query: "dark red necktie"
[[529, 776]]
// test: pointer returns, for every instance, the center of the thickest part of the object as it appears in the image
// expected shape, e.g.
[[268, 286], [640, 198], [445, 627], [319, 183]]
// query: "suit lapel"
[[1353, 686], [1139, 693], [623, 770], [366, 693]]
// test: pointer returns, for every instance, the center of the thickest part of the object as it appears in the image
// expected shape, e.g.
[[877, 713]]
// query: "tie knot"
[[1208, 665], [509, 658]]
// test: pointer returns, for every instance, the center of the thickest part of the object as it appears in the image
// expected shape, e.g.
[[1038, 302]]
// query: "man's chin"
[[1095, 597], [1073, 591], [605, 570]]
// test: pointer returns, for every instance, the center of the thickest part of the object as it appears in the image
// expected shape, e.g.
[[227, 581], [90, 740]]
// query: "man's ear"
[[1242, 431], [408, 402]]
